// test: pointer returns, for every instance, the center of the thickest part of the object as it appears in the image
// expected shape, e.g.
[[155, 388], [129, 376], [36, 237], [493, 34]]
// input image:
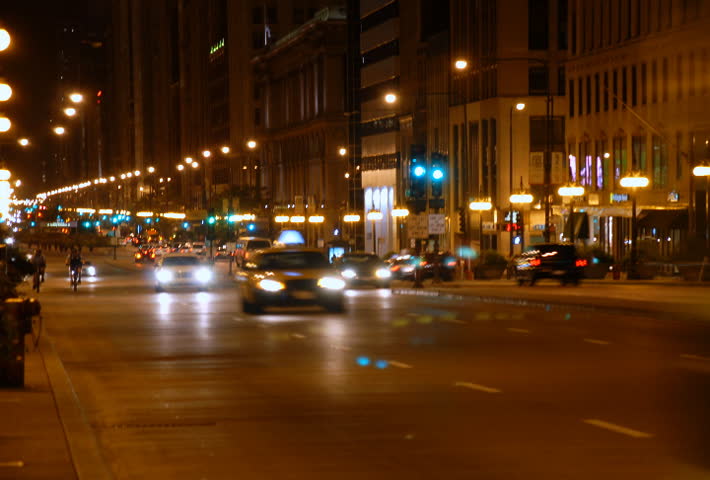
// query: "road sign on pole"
[[437, 223], [418, 226]]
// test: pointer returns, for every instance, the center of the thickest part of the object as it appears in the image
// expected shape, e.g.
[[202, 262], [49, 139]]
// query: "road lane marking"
[[475, 386], [453, 320], [695, 357], [398, 364], [518, 330], [617, 428], [17, 464], [341, 347], [594, 341], [298, 335]]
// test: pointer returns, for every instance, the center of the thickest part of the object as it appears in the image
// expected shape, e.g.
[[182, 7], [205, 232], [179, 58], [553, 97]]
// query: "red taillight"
[[152, 255], [581, 263], [395, 268], [535, 262], [451, 263], [138, 256]]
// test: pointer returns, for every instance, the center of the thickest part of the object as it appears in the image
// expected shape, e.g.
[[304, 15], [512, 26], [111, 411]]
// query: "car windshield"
[[258, 244], [295, 260], [180, 261], [360, 259]]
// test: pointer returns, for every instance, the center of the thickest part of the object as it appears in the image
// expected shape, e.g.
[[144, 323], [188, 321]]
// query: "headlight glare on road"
[[164, 276], [91, 271], [383, 273], [349, 274], [203, 275], [331, 283], [271, 285]]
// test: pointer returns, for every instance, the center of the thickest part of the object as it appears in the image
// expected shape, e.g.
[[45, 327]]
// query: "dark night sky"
[[30, 67]]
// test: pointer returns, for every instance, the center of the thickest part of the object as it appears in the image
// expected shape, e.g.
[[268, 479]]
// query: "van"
[[245, 245]]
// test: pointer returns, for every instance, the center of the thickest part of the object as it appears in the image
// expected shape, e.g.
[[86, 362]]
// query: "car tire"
[[251, 308], [336, 306]]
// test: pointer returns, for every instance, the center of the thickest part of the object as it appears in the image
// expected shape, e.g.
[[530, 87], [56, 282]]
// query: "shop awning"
[[663, 219]]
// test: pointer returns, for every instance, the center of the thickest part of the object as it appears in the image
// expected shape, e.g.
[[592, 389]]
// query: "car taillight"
[[152, 255], [451, 263], [138, 256], [535, 262], [580, 263], [395, 268]]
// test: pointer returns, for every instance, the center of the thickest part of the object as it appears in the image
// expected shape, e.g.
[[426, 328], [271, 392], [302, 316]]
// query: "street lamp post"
[[519, 107], [400, 213], [374, 216], [704, 171], [633, 182], [480, 206], [521, 198], [571, 191]]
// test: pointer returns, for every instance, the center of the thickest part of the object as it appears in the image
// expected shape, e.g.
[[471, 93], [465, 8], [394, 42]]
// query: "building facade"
[[639, 90]]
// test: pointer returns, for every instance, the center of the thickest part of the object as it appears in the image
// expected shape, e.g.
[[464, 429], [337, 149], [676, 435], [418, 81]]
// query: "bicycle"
[[37, 279], [74, 278]]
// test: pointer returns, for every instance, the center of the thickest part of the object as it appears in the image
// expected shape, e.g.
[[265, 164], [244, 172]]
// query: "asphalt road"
[[183, 385]]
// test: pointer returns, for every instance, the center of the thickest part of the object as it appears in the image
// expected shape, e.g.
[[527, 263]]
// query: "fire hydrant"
[[15, 323]]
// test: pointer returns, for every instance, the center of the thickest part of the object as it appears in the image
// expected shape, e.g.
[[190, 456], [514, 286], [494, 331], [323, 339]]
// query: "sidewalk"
[[32, 440]]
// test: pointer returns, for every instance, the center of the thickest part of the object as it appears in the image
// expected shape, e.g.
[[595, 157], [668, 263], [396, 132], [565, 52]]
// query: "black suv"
[[549, 260]]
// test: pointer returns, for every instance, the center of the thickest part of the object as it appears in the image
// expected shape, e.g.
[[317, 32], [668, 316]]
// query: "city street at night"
[[184, 385]]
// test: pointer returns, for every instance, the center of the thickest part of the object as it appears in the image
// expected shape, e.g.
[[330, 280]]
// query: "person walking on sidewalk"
[[40, 264]]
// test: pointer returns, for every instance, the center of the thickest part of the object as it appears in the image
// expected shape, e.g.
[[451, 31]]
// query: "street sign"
[[437, 223], [418, 226], [558, 172]]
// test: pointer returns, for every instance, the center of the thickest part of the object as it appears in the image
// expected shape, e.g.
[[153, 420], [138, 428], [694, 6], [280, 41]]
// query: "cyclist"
[[75, 262], [40, 264]]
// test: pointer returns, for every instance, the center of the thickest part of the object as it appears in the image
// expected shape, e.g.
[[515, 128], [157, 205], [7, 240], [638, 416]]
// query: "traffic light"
[[417, 172], [211, 221], [462, 220], [438, 173]]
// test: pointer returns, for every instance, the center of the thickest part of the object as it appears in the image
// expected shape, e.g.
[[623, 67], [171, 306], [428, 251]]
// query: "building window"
[[494, 159], [257, 40], [585, 165], [272, 15], [599, 148], [580, 98], [572, 162], [257, 15], [620, 157], [596, 93], [257, 116], [588, 91], [606, 91], [664, 74], [704, 73], [537, 81], [561, 82], [691, 74], [634, 83], [624, 90], [571, 98], [380, 16], [538, 22], [654, 82], [638, 153], [380, 52], [485, 174], [299, 16], [660, 162], [644, 84], [562, 20], [615, 89], [679, 74]]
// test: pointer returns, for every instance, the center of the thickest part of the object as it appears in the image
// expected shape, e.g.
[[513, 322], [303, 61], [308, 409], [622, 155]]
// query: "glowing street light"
[[23, 142], [251, 144], [520, 106], [5, 124], [521, 198], [633, 182], [189, 160], [4, 39], [70, 111], [480, 205], [351, 217], [390, 98], [181, 167], [704, 171], [461, 64], [59, 130], [571, 191], [76, 97], [225, 149], [342, 151], [206, 153], [195, 165], [151, 169], [5, 92], [374, 216]]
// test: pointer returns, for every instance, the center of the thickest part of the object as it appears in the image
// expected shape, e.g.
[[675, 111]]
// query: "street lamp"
[[390, 98], [461, 64], [23, 142], [571, 191], [70, 111], [76, 97], [399, 214], [180, 167], [59, 130], [5, 92], [519, 107], [521, 198], [633, 182], [704, 171], [151, 169], [189, 160], [4, 39], [206, 153], [374, 216], [225, 149], [251, 144], [5, 124], [342, 151]]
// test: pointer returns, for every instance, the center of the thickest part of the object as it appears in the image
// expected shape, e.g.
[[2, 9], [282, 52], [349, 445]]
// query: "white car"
[[183, 270]]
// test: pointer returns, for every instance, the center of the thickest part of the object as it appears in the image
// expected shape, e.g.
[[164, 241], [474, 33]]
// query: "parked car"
[[144, 254], [362, 268], [557, 261], [182, 269], [290, 276]]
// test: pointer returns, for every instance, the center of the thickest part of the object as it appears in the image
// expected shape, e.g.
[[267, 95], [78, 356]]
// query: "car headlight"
[[203, 275], [383, 273], [331, 283], [91, 271], [164, 276], [408, 268], [349, 274], [270, 285]]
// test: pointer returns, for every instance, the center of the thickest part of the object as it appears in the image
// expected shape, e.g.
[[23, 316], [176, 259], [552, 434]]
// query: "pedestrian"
[[39, 262]]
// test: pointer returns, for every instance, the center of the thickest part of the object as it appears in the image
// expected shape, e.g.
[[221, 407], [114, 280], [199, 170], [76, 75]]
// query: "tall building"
[[638, 83], [507, 63]]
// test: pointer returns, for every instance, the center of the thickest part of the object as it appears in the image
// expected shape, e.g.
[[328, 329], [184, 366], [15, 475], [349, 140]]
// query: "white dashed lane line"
[[617, 428], [477, 387], [341, 348], [594, 341], [298, 335], [454, 320], [398, 364], [518, 330]]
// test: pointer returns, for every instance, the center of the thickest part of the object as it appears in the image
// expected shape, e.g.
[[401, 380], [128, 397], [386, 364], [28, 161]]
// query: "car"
[[145, 254], [88, 269], [363, 268], [446, 263], [246, 245], [557, 261], [403, 266], [198, 248], [290, 276], [182, 269]]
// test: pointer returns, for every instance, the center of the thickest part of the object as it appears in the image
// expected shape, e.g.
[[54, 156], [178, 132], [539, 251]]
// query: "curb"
[[84, 450], [587, 304]]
